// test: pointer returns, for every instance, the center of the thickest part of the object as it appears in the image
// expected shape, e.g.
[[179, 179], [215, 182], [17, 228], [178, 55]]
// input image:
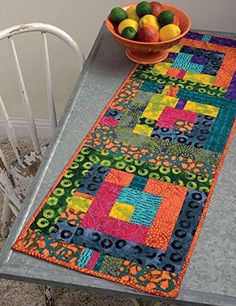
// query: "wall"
[[82, 20]]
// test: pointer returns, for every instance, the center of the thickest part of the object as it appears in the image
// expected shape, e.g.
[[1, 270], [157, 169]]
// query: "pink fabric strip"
[[93, 260], [181, 74], [109, 121], [170, 115]]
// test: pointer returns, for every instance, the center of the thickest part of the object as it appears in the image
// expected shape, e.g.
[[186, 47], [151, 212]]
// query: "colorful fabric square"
[[119, 177], [170, 115], [79, 203], [93, 179], [145, 204], [184, 61], [130, 203], [143, 129], [122, 211]]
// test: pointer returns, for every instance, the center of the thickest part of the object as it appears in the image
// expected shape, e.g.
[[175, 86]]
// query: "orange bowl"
[[151, 52]]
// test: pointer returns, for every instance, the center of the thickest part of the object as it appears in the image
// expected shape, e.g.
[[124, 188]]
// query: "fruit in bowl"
[[148, 33], [143, 17], [157, 8], [148, 29]]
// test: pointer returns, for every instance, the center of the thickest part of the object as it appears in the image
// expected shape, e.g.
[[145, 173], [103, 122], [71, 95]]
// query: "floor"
[[15, 293]]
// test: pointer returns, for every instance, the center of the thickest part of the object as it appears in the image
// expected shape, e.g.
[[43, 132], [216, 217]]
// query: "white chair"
[[16, 177]]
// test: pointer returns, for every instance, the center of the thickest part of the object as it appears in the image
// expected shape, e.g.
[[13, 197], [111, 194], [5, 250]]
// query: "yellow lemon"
[[131, 11], [169, 32], [128, 23], [149, 20]]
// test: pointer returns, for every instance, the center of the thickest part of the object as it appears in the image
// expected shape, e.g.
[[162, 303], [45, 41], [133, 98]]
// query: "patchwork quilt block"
[[131, 201]]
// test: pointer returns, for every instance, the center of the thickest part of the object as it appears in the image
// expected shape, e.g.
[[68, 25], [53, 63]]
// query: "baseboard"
[[21, 128]]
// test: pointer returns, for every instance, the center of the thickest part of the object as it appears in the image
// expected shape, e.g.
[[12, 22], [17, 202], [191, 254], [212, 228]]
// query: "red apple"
[[148, 34], [157, 8]]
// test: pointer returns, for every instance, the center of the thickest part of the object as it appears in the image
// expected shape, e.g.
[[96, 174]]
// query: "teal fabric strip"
[[206, 38], [220, 131], [85, 257]]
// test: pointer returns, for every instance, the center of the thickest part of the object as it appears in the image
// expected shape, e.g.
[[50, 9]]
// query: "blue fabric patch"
[[93, 179], [63, 231], [138, 182], [114, 113]]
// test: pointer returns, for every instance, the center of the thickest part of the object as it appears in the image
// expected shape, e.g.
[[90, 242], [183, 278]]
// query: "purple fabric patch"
[[172, 55], [223, 41], [201, 60], [231, 93], [181, 104], [195, 36]]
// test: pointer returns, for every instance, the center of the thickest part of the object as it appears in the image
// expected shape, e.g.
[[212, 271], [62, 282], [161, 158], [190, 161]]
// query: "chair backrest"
[[42, 28]]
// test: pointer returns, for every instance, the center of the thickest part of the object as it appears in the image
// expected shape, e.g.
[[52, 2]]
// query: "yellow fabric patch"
[[161, 68], [165, 90], [122, 211], [143, 129], [152, 109], [156, 106], [169, 101], [204, 109], [200, 78], [78, 203], [176, 48]]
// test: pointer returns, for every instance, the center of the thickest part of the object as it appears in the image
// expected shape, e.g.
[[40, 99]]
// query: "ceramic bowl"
[[151, 52]]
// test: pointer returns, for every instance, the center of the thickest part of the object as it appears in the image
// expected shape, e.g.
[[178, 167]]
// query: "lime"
[[143, 8], [165, 18], [118, 14], [128, 23], [131, 11], [169, 32], [129, 33]]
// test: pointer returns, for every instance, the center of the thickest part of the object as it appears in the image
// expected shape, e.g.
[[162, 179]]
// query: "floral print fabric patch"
[[131, 201]]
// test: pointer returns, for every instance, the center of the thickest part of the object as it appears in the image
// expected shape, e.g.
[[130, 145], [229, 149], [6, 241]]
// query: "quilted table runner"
[[130, 203]]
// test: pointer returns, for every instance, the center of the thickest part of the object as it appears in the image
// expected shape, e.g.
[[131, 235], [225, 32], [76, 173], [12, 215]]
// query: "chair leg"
[[6, 217], [48, 295]]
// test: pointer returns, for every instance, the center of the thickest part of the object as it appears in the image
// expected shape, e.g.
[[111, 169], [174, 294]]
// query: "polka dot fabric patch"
[[130, 203]]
